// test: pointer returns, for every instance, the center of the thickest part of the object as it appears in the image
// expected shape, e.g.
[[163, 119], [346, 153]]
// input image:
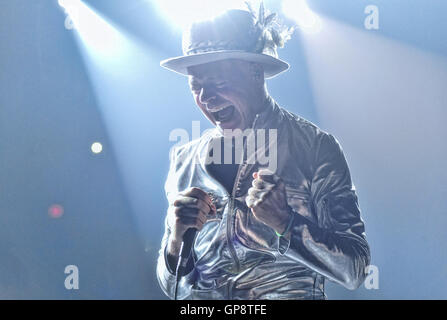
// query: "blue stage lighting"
[[181, 13], [98, 35], [299, 11]]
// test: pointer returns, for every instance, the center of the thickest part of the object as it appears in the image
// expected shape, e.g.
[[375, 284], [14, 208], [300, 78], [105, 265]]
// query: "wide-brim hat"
[[235, 34]]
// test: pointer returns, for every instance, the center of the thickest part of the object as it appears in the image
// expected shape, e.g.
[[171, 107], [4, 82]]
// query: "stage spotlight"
[[65, 3], [96, 33], [96, 147], [299, 11], [69, 5], [181, 13]]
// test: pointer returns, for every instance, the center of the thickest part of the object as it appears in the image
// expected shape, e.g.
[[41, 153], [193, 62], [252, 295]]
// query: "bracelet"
[[289, 226]]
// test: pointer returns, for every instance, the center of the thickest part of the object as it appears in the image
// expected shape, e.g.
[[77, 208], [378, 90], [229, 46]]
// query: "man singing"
[[272, 230]]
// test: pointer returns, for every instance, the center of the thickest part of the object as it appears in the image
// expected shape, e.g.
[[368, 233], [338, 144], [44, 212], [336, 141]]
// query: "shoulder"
[[323, 148], [188, 149], [308, 132]]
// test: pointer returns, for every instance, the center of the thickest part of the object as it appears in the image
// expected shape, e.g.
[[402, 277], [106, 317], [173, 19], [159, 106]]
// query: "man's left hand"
[[267, 199]]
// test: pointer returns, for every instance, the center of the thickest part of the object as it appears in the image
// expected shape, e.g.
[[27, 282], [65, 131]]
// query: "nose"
[[206, 96]]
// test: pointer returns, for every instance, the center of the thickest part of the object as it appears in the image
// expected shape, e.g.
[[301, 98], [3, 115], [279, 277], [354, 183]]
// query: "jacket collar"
[[269, 118]]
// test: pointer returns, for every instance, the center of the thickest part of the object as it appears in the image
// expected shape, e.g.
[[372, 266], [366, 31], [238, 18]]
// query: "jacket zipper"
[[231, 217]]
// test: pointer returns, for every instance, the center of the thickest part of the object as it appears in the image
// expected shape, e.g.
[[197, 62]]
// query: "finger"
[[213, 209], [252, 202], [253, 192], [188, 222], [258, 194], [268, 176], [183, 212], [261, 184], [198, 193], [189, 212], [249, 201], [191, 202]]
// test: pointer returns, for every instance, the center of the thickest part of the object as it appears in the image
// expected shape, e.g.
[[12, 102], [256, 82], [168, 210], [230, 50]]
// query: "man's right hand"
[[192, 208]]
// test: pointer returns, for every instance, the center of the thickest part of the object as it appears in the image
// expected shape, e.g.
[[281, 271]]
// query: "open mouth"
[[225, 114]]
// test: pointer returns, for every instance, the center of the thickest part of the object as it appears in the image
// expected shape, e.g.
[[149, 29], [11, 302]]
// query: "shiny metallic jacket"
[[238, 257]]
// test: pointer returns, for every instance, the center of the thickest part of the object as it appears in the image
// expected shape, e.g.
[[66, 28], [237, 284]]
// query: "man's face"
[[226, 92]]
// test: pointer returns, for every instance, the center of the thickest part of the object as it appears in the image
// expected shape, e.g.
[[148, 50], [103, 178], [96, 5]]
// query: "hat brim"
[[272, 66]]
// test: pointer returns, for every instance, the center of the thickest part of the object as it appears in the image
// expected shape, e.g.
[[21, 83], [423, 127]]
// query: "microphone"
[[185, 252]]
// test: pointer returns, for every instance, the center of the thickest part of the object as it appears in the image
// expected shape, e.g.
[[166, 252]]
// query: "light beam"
[[299, 11], [181, 13]]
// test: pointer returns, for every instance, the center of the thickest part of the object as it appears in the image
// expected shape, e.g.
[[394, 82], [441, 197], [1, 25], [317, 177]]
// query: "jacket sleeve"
[[336, 245], [166, 277]]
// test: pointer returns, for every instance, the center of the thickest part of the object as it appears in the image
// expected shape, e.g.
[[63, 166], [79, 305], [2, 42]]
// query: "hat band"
[[209, 46]]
